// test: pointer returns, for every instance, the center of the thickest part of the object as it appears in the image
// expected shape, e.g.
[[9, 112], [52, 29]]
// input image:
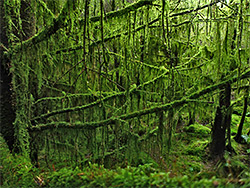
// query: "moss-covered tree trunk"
[[221, 123], [14, 122], [26, 81], [7, 112]]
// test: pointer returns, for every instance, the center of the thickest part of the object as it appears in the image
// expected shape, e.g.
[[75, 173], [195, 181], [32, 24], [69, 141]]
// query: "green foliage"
[[65, 177], [197, 148], [233, 166], [16, 171], [141, 176]]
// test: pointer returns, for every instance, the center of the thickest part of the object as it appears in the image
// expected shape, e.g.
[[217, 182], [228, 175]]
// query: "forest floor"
[[191, 153], [186, 165]]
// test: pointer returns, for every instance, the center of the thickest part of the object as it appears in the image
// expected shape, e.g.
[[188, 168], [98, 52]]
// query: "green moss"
[[197, 148], [15, 171], [199, 130], [236, 121], [194, 166]]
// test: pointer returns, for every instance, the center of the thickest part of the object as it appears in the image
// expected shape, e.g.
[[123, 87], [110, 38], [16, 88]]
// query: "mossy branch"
[[53, 27], [59, 22], [106, 39], [123, 11], [194, 95], [79, 108], [194, 10], [164, 107], [141, 3], [95, 43], [71, 96]]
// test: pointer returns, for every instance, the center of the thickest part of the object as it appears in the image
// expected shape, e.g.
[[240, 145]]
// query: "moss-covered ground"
[[186, 165]]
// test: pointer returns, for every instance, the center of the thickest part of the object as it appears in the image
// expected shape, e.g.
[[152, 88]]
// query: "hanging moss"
[[115, 89], [123, 11]]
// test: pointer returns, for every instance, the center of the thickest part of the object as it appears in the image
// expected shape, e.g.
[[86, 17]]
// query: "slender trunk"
[[238, 137], [221, 123], [191, 117]]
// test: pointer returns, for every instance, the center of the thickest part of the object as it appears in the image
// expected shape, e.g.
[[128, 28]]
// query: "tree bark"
[[10, 122], [238, 137], [28, 19], [221, 123], [7, 112], [29, 30]]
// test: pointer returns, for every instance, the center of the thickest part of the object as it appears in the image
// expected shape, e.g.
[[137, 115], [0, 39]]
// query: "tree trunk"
[[29, 29], [11, 123], [221, 123], [7, 114], [238, 137], [191, 117]]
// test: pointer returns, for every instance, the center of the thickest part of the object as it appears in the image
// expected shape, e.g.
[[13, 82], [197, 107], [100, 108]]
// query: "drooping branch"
[[141, 3], [59, 22], [164, 107], [134, 89], [194, 10], [106, 39], [123, 11], [53, 27], [79, 108], [219, 85], [95, 43]]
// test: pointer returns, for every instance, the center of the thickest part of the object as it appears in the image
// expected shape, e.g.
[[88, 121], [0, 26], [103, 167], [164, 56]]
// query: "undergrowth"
[[187, 165]]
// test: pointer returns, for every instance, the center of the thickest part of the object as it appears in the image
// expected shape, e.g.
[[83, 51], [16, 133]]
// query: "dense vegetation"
[[125, 93]]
